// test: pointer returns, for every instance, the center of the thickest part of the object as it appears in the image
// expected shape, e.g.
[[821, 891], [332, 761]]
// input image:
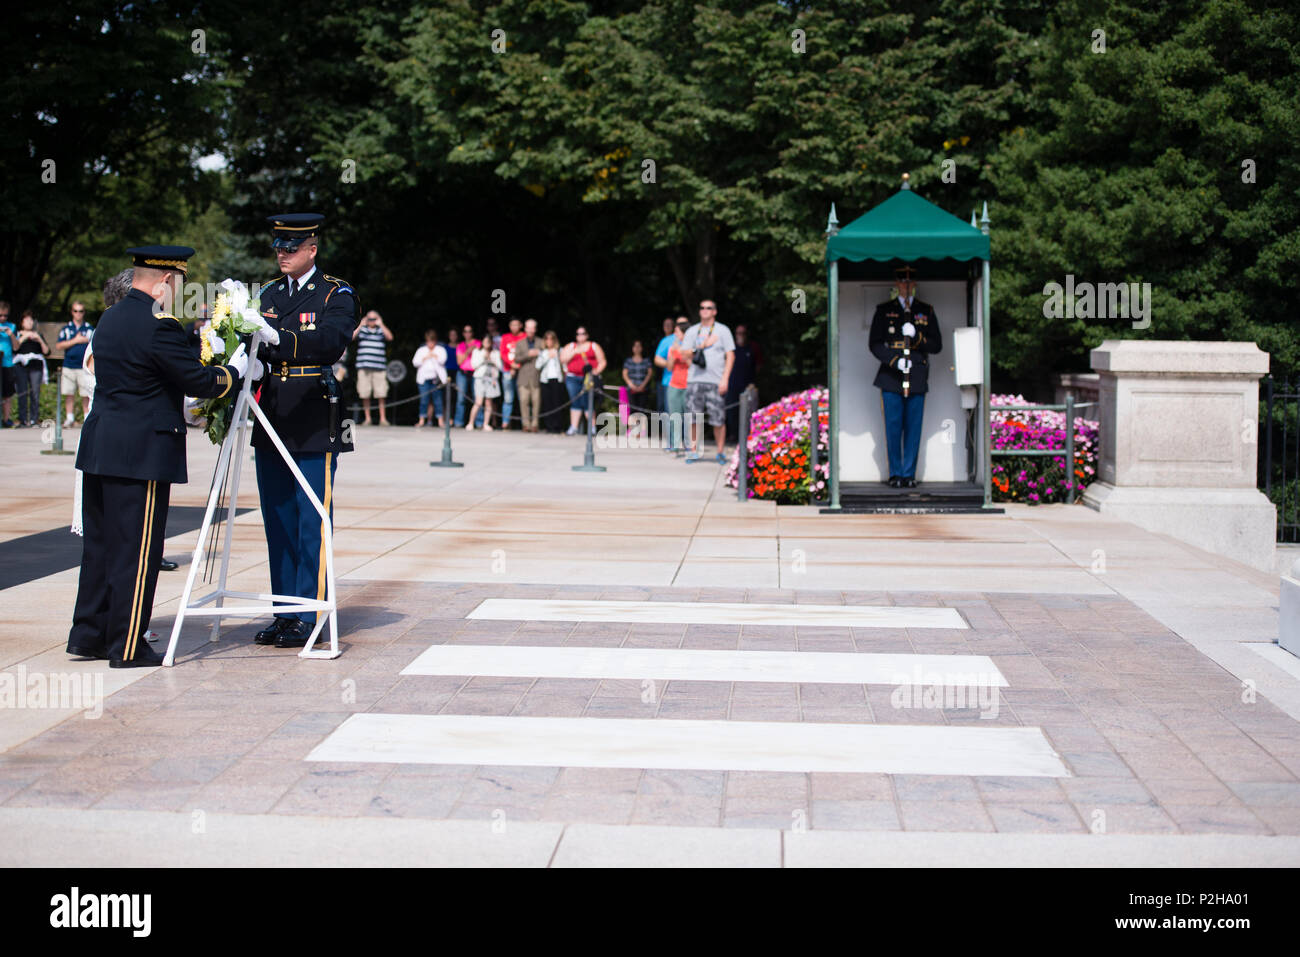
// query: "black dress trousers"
[[125, 523]]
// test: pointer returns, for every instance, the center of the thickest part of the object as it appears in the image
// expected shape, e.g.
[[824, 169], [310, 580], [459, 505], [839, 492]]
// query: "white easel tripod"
[[232, 459]]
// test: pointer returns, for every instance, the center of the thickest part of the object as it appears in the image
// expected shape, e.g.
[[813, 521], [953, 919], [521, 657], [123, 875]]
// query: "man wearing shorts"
[[706, 385], [372, 337], [73, 339]]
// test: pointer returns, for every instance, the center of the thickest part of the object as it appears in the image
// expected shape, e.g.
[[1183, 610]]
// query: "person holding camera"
[[711, 350], [582, 358], [904, 334], [372, 338], [486, 363], [430, 377]]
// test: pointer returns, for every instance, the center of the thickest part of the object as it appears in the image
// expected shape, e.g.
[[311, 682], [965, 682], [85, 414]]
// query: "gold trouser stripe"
[[141, 569], [320, 568]]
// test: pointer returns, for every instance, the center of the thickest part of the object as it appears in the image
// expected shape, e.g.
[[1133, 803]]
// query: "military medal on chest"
[[306, 321]]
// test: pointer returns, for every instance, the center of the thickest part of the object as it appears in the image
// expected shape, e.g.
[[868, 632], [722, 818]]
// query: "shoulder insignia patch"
[[340, 285], [167, 315]]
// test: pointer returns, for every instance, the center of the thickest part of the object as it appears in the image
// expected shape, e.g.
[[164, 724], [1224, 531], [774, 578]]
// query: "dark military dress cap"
[[290, 229], [161, 257]]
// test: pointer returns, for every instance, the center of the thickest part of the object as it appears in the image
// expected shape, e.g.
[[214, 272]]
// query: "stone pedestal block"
[[1179, 426], [1288, 611]]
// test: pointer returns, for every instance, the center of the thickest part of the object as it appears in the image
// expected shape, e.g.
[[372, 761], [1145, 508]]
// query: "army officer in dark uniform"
[[132, 449], [311, 318], [904, 334]]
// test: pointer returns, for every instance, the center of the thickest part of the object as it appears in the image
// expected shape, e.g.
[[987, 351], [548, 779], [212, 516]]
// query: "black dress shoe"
[[909, 483], [146, 658], [895, 481], [83, 652], [267, 636], [295, 635], [167, 566]]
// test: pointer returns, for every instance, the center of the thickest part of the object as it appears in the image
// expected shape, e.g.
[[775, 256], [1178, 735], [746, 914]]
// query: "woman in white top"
[[554, 394], [487, 382], [431, 377]]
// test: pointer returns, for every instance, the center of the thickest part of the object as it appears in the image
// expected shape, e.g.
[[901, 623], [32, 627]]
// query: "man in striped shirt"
[[372, 337]]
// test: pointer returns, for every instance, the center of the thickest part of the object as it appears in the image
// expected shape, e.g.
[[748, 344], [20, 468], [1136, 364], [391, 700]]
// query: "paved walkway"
[[1084, 691]]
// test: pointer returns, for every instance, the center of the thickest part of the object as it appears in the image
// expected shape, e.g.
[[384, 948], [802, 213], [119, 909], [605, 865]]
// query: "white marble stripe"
[[717, 613], [690, 745], [677, 664]]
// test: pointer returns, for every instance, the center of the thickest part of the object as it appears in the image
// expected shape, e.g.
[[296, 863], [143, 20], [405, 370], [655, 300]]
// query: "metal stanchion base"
[[57, 452], [447, 461], [588, 468]]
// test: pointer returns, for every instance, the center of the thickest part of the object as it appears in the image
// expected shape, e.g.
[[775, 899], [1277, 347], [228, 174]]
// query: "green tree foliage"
[[1131, 170], [104, 107]]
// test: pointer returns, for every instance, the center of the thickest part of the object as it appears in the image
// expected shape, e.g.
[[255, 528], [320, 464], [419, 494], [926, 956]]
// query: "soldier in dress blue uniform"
[[904, 334], [311, 318], [132, 449]]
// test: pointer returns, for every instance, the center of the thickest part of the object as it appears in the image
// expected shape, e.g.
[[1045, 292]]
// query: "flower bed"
[[1038, 479], [780, 450]]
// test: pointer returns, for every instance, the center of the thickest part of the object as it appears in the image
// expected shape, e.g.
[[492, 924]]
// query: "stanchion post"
[[589, 457], [1069, 446], [447, 461], [57, 448], [742, 449]]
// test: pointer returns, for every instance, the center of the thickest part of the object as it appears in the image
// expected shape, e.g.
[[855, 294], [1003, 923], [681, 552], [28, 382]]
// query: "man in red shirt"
[[508, 369]]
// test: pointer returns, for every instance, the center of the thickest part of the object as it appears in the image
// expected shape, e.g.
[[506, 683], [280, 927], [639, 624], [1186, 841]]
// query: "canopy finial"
[[832, 223], [906, 184], [984, 220]]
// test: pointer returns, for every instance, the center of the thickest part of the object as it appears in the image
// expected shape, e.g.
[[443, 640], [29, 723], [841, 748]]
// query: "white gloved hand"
[[256, 371], [239, 361], [237, 292], [909, 331], [904, 365], [215, 341], [265, 332]]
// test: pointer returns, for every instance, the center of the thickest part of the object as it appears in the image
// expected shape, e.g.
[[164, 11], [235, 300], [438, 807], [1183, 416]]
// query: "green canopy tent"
[[952, 262]]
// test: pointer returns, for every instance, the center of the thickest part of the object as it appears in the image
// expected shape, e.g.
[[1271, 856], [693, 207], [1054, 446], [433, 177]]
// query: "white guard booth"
[[950, 259]]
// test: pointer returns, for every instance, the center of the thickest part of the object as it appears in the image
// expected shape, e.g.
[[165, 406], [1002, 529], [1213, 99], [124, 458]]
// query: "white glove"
[[239, 361], [904, 365], [215, 341], [237, 292], [909, 331], [265, 332], [256, 371]]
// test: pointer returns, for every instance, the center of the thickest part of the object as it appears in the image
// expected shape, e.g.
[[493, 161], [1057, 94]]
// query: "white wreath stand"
[[213, 604]]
